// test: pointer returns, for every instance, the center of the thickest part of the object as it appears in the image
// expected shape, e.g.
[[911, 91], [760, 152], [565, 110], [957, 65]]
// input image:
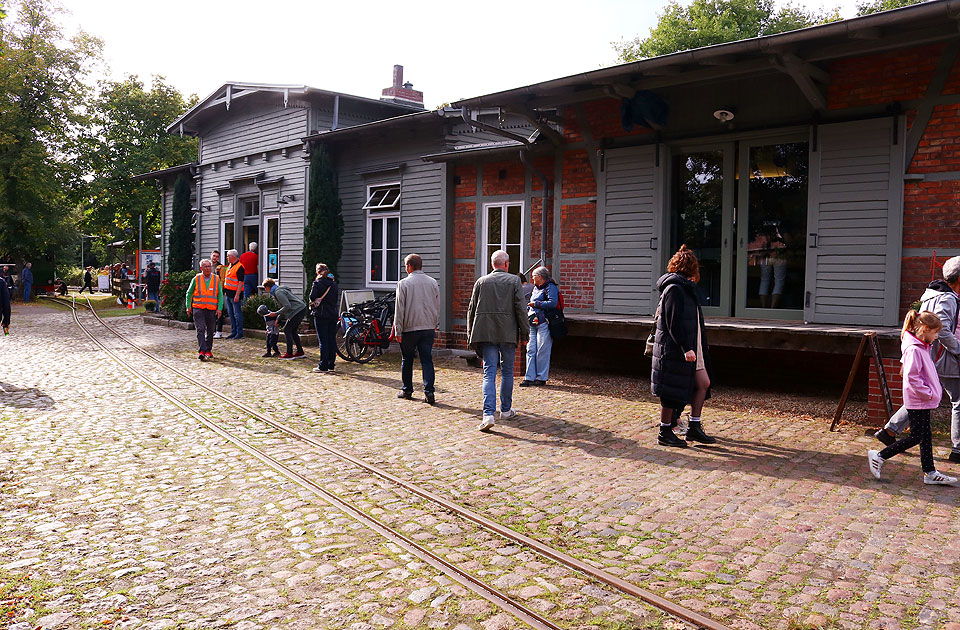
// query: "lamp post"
[[83, 236]]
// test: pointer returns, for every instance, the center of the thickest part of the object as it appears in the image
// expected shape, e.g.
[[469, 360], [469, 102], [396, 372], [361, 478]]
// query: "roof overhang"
[[189, 168], [486, 150], [406, 121], [794, 52], [221, 99]]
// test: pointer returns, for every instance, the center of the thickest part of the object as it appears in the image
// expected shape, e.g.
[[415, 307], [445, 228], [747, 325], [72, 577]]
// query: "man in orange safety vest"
[[204, 300]]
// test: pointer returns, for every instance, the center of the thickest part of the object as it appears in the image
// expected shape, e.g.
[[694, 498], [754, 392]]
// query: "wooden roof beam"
[[803, 74], [535, 118]]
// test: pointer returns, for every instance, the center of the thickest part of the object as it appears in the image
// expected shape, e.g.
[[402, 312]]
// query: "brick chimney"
[[400, 92]]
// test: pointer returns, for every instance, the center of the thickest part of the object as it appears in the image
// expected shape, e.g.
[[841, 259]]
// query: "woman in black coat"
[[324, 298], [681, 363]]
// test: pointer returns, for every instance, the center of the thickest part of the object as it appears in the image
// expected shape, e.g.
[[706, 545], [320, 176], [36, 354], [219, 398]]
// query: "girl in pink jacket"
[[921, 393]]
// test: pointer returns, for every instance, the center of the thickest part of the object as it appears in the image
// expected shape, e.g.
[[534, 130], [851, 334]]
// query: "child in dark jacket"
[[273, 333]]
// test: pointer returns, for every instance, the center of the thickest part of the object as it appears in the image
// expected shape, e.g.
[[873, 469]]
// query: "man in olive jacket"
[[496, 323]]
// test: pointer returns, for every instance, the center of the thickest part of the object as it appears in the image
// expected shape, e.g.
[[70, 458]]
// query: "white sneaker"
[[875, 462], [506, 415], [937, 478], [487, 424], [218, 335]]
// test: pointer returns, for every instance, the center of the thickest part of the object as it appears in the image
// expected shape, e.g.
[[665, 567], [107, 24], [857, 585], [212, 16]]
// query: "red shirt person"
[[250, 262]]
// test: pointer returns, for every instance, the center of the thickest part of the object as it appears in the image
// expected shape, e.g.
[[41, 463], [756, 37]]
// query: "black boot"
[[695, 434], [668, 438]]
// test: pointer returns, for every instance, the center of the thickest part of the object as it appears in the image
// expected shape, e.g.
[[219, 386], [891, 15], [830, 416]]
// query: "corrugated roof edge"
[[914, 13], [302, 89]]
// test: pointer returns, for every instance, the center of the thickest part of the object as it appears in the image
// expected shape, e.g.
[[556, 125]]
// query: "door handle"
[[813, 240], [653, 243]]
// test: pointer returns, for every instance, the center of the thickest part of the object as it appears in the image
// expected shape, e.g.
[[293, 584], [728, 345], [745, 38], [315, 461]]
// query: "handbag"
[[652, 337], [556, 323]]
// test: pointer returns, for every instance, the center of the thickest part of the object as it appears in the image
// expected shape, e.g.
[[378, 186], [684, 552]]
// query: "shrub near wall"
[[173, 289], [252, 319]]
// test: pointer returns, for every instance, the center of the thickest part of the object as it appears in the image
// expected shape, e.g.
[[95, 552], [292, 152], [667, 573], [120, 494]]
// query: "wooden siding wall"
[[628, 220], [254, 130], [420, 202], [856, 193]]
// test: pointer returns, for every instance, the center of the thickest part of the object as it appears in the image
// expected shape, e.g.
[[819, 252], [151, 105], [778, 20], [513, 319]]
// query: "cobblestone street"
[[118, 510]]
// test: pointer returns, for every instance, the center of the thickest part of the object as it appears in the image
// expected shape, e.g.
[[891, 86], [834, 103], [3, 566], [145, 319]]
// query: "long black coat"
[[674, 378]]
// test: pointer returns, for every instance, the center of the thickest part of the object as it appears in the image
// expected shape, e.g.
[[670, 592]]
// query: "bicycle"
[[366, 329]]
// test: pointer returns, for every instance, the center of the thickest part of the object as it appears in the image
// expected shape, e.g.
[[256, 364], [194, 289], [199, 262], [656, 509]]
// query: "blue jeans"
[[249, 285], [417, 342], [538, 353], [26, 291], [154, 295], [236, 317], [327, 339], [497, 355]]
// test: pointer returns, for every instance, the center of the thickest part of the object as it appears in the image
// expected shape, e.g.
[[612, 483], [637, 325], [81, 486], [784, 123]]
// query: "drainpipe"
[[527, 143], [543, 204]]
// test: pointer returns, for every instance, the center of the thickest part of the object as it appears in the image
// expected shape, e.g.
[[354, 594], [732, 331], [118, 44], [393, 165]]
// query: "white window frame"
[[503, 231], [223, 236], [391, 211], [265, 246], [382, 203]]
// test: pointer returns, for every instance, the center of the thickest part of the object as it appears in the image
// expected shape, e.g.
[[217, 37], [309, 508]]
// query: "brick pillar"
[[876, 409]]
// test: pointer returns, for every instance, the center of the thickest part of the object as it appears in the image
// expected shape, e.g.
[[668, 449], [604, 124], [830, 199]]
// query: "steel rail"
[[502, 601], [625, 587]]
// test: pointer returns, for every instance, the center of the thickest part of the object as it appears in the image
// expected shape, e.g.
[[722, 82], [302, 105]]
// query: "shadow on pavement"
[[24, 398]]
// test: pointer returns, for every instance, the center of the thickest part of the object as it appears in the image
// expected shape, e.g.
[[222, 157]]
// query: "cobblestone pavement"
[[115, 510]]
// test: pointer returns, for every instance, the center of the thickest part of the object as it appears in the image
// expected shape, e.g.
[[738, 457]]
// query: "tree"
[[42, 94], [128, 136], [180, 255], [323, 234], [707, 22], [866, 8]]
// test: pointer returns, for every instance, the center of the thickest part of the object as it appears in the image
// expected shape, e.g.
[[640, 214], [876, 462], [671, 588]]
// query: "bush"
[[149, 305], [73, 276], [173, 289], [252, 319]]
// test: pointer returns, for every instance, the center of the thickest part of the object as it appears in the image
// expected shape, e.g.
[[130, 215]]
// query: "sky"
[[449, 51]]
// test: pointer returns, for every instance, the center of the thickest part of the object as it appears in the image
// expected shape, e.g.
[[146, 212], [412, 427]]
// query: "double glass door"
[[742, 208]]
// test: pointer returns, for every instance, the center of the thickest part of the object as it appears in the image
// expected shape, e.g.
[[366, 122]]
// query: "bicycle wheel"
[[354, 345], [342, 346]]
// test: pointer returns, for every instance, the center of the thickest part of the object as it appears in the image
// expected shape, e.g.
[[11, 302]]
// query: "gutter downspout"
[[543, 204]]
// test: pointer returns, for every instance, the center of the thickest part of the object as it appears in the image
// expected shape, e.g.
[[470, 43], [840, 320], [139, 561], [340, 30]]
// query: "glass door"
[[702, 217], [772, 233], [270, 260]]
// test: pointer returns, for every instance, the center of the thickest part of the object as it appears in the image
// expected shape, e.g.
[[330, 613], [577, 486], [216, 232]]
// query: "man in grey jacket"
[[941, 297], [294, 310], [496, 323], [415, 320]]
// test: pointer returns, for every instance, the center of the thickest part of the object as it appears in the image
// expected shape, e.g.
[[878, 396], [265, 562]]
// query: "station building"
[[816, 174]]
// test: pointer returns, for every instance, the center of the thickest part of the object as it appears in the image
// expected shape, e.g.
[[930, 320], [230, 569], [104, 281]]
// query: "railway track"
[[498, 598]]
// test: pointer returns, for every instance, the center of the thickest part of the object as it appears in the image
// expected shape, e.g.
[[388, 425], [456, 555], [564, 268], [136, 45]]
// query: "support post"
[[871, 338]]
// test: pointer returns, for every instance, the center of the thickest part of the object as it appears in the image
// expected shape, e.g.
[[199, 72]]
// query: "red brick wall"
[[468, 180], [513, 184], [578, 228], [900, 75], [577, 281], [463, 279], [578, 179], [571, 125], [938, 150], [603, 118], [930, 214], [876, 408], [464, 230]]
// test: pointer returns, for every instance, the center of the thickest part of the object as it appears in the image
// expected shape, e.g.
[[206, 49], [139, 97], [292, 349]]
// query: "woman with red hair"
[[681, 364]]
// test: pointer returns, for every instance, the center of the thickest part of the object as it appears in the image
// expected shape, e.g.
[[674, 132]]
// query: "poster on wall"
[[148, 256], [272, 265]]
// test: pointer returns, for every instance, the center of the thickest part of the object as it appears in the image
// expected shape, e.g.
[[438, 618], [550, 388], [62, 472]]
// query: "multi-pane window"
[[272, 247], [251, 207], [226, 239], [383, 234], [503, 229]]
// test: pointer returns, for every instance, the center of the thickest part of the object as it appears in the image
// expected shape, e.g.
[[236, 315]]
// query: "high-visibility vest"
[[231, 283], [204, 297]]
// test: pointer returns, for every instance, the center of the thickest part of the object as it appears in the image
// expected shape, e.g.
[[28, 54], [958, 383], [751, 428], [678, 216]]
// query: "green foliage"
[[708, 22], [73, 276], [180, 255], [42, 80], [127, 136], [149, 305], [866, 8], [173, 291], [252, 319], [323, 234]]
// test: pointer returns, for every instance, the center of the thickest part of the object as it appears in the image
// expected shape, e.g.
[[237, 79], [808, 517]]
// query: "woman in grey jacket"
[[294, 310]]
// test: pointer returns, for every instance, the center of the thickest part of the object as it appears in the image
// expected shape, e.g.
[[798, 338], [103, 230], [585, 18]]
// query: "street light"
[[83, 236]]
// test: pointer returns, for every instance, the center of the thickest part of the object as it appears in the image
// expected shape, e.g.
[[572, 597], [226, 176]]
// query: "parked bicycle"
[[364, 331]]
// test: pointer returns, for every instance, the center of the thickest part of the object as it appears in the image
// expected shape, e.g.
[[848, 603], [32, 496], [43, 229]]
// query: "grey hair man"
[[415, 320], [496, 323], [943, 298], [204, 300]]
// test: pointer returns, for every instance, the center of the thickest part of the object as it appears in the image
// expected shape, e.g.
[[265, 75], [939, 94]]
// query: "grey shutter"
[[855, 220], [628, 227]]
